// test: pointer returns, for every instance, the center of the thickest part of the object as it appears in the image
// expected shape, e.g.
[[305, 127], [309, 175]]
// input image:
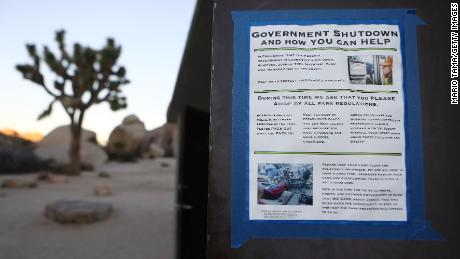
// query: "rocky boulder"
[[18, 183], [125, 140], [102, 190], [17, 156], [53, 178], [160, 142], [55, 146], [13, 141], [78, 212]]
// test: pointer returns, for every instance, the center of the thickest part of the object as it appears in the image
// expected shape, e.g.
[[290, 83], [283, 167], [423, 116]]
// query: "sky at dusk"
[[152, 35]]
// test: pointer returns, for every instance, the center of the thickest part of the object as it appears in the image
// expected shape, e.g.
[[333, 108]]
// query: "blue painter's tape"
[[240, 126], [242, 228]]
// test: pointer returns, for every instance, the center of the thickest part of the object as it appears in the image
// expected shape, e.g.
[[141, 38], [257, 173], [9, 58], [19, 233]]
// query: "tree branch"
[[95, 93], [105, 98], [49, 91], [80, 118]]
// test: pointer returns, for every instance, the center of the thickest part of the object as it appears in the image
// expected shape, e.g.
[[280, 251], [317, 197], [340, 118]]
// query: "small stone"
[[3, 194], [53, 178], [164, 164], [17, 183], [104, 175], [78, 212], [102, 190], [42, 176]]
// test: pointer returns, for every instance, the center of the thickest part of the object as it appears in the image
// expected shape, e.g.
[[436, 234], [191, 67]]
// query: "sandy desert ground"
[[141, 226]]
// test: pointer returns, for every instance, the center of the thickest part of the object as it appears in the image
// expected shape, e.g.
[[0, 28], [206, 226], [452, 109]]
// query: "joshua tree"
[[82, 78]]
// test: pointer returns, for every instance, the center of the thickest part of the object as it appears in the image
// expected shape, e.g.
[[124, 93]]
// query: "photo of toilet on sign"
[[326, 138]]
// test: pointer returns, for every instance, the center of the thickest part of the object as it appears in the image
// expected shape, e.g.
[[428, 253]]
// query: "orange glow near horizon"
[[31, 136]]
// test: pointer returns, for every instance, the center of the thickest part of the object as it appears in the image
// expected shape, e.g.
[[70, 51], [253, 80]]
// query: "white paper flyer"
[[326, 123]]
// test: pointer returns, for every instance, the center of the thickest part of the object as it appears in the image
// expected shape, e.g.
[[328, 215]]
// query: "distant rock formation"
[[30, 136], [13, 141], [17, 155], [160, 142], [55, 146], [125, 140], [131, 140]]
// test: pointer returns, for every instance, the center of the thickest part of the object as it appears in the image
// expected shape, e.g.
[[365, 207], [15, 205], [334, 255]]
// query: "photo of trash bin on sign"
[[285, 184], [370, 70]]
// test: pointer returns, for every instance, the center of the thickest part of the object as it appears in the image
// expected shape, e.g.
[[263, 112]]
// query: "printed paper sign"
[[326, 123]]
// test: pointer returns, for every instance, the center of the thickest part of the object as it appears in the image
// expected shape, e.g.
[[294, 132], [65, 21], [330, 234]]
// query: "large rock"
[[53, 178], [160, 142], [56, 145], [78, 212], [17, 156], [125, 140], [18, 183], [13, 141], [102, 190]]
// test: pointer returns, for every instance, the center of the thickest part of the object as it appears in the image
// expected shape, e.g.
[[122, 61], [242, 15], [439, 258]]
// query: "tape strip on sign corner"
[[326, 130]]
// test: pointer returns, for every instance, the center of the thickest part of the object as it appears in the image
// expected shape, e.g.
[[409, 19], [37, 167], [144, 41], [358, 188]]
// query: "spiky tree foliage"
[[83, 77]]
